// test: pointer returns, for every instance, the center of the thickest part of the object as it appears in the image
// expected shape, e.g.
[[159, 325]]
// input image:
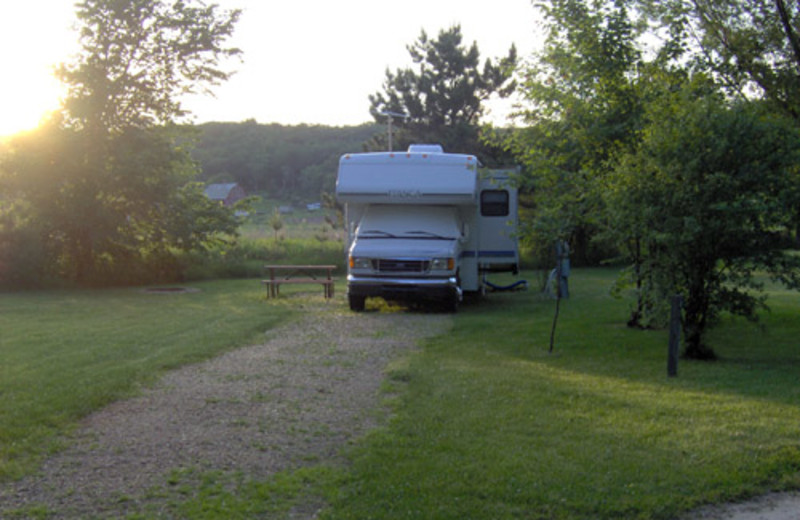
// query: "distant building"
[[228, 194]]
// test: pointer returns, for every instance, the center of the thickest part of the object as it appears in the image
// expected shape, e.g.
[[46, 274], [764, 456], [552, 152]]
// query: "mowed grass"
[[489, 425], [485, 423], [64, 354]]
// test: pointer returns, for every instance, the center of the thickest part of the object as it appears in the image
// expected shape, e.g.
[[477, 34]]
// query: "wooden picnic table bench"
[[293, 274]]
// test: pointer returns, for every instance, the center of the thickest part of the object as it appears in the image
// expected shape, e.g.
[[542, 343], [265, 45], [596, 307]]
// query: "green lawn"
[[298, 224], [491, 426], [486, 424], [64, 354]]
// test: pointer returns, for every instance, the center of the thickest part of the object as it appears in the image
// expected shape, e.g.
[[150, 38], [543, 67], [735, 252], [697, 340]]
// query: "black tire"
[[357, 303], [452, 304]]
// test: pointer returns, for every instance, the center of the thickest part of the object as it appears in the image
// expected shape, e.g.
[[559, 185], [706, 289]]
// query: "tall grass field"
[[484, 424]]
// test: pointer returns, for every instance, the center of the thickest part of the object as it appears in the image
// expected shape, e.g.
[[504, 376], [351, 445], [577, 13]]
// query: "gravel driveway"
[[297, 399], [774, 506]]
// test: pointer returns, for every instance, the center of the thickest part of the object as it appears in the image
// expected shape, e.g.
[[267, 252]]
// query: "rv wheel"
[[451, 304], [356, 302]]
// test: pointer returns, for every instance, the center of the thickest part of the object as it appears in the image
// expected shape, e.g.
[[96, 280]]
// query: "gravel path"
[[774, 506], [295, 400]]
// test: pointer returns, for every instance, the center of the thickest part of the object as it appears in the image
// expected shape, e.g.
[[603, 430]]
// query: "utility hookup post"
[[674, 335]]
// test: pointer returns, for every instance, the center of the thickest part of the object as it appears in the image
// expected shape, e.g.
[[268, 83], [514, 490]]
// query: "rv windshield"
[[419, 222]]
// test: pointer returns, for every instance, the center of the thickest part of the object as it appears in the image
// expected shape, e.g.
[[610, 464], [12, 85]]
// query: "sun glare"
[[24, 106], [36, 36]]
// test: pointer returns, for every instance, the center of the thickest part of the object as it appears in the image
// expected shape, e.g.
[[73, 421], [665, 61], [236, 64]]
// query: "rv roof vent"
[[425, 148]]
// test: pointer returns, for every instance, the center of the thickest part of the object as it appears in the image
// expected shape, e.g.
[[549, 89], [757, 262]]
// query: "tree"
[[112, 182], [713, 186], [581, 107], [276, 222], [444, 97], [695, 189], [139, 57], [753, 46]]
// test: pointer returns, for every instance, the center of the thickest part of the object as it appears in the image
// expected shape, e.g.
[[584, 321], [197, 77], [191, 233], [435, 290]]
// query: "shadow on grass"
[[755, 360]]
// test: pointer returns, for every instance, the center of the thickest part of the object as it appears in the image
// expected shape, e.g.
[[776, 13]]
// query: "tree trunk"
[[694, 322], [83, 255]]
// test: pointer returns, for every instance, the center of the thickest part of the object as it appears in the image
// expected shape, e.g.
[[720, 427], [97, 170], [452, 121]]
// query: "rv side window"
[[494, 203]]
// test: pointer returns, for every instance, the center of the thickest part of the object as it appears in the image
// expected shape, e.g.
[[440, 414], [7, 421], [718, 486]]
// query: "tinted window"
[[494, 203]]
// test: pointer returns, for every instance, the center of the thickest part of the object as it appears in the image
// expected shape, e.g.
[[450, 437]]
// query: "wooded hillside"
[[287, 162]]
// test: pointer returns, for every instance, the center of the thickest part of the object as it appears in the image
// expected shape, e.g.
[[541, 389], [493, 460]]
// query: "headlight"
[[360, 263], [442, 264]]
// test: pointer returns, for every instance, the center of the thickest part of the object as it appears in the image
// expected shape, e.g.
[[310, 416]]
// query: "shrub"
[[246, 258]]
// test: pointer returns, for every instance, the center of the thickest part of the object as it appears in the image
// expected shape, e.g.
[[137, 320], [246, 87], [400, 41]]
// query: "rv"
[[424, 225]]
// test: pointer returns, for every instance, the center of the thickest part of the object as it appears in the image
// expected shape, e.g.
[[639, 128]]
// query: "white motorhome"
[[424, 225]]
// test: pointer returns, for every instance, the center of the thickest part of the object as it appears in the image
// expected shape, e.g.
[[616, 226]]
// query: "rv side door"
[[497, 216]]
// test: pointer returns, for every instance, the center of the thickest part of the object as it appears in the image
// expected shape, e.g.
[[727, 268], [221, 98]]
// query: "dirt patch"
[[297, 399]]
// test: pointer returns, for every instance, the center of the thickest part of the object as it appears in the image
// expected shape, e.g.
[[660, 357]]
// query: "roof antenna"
[[390, 117]]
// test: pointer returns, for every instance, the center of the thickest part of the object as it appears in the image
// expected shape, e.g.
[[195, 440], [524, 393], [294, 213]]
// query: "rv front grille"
[[401, 265]]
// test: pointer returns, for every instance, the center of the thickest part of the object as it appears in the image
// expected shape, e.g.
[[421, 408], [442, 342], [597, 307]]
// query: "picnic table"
[[295, 274]]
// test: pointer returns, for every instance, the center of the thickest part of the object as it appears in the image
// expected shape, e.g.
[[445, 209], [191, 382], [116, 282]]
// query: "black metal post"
[[674, 335]]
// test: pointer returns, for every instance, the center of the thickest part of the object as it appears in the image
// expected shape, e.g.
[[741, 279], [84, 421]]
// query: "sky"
[[304, 61]]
